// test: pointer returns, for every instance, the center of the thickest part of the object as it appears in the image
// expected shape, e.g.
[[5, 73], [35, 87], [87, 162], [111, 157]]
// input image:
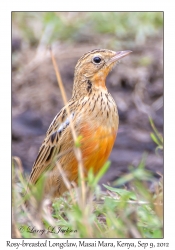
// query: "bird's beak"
[[118, 56]]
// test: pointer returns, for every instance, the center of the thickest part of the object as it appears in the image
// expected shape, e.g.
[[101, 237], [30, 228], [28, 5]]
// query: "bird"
[[94, 115]]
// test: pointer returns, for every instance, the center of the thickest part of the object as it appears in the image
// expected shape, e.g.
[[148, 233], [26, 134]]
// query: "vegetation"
[[119, 212]]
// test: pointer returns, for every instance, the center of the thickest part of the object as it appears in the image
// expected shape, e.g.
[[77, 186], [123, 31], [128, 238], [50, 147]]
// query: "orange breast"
[[96, 146]]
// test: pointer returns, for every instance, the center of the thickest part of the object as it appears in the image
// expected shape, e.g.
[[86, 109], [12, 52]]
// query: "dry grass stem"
[[77, 150], [66, 181]]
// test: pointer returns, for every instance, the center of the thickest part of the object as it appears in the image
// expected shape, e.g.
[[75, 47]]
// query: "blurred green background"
[[126, 28]]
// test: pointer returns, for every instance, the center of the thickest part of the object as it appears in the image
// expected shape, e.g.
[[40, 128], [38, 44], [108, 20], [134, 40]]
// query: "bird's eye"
[[96, 59]]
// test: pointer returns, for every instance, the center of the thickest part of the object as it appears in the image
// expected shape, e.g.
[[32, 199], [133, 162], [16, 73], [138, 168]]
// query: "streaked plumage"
[[94, 115]]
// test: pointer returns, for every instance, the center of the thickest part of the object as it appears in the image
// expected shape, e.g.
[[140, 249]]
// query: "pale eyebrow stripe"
[[87, 54]]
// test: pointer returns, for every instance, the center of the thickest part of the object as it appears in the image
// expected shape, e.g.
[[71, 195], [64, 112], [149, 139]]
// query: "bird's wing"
[[52, 143]]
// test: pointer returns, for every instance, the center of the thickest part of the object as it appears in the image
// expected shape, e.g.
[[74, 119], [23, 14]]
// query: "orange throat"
[[99, 78]]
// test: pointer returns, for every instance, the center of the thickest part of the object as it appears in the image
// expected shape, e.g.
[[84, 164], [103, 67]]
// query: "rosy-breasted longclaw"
[[93, 113]]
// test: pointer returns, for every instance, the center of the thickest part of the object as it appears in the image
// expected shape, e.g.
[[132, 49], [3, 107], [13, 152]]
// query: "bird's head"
[[93, 67]]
